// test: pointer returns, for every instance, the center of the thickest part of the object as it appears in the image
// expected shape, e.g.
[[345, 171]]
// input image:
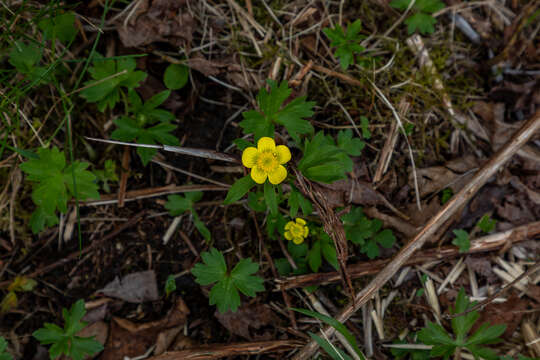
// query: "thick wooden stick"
[[219, 351], [460, 199], [482, 244]]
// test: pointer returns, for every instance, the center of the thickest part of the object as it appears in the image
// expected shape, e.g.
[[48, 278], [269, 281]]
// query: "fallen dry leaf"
[[246, 319], [135, 288], [454, 174], [131, 339], [508, 313]]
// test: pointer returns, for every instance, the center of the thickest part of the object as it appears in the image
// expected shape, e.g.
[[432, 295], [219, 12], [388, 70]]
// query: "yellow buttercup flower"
[[296, 231], [266, 161]]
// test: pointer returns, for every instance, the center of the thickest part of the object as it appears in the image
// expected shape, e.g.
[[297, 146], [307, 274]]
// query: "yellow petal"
[[249, 157], [266, 144], [258, 175], [278, 175], [283, 154], [298, 240], [288, 225], [288, 235], [300, 221], [306, 231]]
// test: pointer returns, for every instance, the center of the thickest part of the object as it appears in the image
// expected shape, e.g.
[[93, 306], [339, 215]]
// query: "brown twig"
[[462, 197], [332, 225], [218, 351], [482, 244], [152, 192], [123, 177]]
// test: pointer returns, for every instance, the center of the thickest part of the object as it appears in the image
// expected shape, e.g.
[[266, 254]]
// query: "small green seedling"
[[347, 43], [107, 174], [176, 76], [224, 293], [4, 355], [446, 194], [146, 124], [421, 18], [272, 111], [109, 78], [367, 233], [170, 285], [486, 224], [178, 204], [462, 240], [20, 284], [55, 184], [445, 345], [65, 340]]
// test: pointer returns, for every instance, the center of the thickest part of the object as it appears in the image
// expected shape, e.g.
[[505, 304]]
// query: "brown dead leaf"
[[508, 313], [518, 209], [247, 319], [164, 21], [131, 339], [165, 339], [420, 217], [454, 174], [358, 192], [135, 288]]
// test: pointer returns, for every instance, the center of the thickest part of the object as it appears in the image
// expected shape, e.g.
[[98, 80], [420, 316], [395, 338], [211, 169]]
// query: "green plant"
[[322, 160], [486, 224], [4, 355], [224, 293], [59, 27], [347, 43], [107, 174], [350, 146], [109, 77], [178, 204], [176, 76], [308, 255], [421, 19], [55, 184], [145, 124], [446, 345], [25, 58], [367, 233], [462, 240], [321, 247], [297, 200], [413, 354], [271, 111], [65, 340]]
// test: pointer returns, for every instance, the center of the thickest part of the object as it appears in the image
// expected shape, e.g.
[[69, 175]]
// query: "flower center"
[[297, 230], [267, 161]]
